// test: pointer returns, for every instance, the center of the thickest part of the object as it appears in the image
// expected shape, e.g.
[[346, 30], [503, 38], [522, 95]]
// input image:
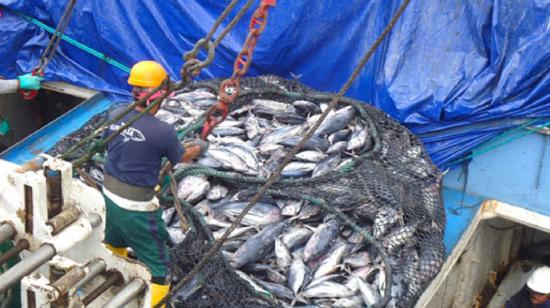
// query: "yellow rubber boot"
[[123, 251], [158, 292]]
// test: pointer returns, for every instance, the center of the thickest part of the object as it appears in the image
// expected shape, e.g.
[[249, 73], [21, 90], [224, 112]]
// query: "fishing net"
[[389, 188]]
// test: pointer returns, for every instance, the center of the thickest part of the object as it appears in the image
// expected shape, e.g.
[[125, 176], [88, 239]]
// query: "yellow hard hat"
[[147, 74]]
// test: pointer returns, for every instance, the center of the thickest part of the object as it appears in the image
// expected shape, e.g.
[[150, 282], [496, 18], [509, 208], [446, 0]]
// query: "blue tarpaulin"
[[455, 72]]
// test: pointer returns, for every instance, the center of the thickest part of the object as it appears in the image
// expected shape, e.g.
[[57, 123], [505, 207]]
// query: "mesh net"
[[384, 183]]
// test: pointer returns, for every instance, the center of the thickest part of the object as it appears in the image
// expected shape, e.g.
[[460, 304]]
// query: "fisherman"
[[132, 168], [23, 82], [536, 293]]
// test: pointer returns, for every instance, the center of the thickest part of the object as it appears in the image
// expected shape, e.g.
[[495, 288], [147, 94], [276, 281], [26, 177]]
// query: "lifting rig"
[[57, 223]]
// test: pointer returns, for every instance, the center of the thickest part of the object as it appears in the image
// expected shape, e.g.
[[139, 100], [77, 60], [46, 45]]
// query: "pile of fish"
[[290, 248]]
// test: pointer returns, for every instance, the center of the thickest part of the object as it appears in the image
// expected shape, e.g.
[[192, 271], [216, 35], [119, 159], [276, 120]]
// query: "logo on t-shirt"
[[130, 133]]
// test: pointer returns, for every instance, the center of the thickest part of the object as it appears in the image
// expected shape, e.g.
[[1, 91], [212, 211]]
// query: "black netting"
[[386, 184]]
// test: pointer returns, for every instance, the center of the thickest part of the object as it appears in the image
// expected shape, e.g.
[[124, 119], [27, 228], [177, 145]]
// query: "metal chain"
[[193, 66], [217, 246], [49, 52], [229, 89]]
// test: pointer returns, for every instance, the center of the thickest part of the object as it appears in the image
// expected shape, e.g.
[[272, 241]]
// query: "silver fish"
[[361, 273], [308, 211], [298, 169], [341, 135], [358, 259], [236, 232], [304, 107], [337, 148], [228, 131], [282, 253], [292, 208], [288, 118], [260, 214], [217, 192], [281, 134], [326, 165], [275, 160], [318, 280], [357, 139], [273, 106], [296, 237], [298, 253], [193, 187], [348, 302], [327, 289], [275, 276], [332, 261], [252, 283], [310, 156], [269, 148], [368, 292], [228, 159], [258, 245], [336, 121], [168, 215], [252, 126], [210, 162], [246, 155], [229, 122], [176, 235], [296, 275], [321, 239], [277, 289], [314, 143]]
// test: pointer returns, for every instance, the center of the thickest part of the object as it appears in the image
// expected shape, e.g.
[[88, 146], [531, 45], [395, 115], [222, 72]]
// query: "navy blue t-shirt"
[[135, 156]]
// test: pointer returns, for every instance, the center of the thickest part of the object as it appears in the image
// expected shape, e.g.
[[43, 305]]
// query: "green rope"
[[493, 144], [74, 42]]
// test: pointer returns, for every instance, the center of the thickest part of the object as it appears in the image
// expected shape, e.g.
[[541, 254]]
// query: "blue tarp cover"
[[455, 72]]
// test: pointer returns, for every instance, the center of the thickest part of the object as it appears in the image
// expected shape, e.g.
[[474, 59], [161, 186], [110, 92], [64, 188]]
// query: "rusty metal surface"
[[64, 283], [63, 219]]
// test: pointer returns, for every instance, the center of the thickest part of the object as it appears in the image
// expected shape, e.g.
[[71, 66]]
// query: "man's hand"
[[194, 148], [29, 82], [202, 144]]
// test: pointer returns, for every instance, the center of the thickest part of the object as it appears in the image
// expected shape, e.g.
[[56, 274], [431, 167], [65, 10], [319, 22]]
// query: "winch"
[[57, 226]]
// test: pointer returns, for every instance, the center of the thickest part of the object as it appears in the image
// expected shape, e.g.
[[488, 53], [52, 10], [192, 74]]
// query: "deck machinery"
[[56, 224]]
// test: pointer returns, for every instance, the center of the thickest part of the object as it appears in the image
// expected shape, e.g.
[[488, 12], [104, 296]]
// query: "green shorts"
[[144, 232]]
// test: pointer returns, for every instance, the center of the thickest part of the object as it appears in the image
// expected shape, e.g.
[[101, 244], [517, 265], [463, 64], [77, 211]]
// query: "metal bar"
[[23, 268], [92, 269], [64, 219], [14, 251], [7, 232], [113, 278], [129, 292], [68, 280], [94, 219]]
